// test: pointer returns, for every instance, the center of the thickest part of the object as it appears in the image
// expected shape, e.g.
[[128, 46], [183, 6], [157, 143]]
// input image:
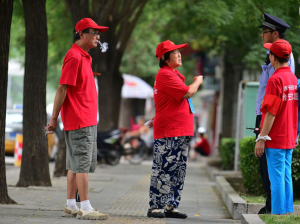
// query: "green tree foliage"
[[211, 26], [17, 36], [219, 27], [163, 20], [60, 32]]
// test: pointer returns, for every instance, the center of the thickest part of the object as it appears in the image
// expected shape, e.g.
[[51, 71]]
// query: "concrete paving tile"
[[220, 221], [122, 192], [8, 220], [175, 221]]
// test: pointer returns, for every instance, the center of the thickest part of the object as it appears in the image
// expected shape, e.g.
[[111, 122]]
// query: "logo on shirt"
[[289, 96]]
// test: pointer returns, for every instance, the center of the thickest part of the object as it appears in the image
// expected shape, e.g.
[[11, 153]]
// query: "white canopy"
[[135, 87], [15, 68]]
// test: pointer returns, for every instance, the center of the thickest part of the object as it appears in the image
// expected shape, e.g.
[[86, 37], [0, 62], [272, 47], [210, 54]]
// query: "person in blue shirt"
[[273, 28]]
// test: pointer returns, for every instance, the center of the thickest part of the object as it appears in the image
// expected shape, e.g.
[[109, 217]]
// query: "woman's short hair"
[[281, 60], [77, 37], [162, 62]]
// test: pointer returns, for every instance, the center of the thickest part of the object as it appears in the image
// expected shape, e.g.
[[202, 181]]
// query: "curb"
[[251, 219], [235, 204], [238, 208], [253, 208], [213, 172]]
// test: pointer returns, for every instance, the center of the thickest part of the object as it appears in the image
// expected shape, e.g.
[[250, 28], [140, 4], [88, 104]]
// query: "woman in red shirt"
[[172, 127], [202, 145]]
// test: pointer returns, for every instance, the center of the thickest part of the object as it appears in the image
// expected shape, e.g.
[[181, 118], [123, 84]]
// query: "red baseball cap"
[[89, 23], [166, 46], [281, 48]]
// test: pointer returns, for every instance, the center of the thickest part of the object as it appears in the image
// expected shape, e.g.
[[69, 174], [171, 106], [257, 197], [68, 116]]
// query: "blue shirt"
[[267, 72]]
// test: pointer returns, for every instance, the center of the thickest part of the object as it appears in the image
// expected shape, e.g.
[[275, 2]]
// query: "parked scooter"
[[109, 146], [135, 150]]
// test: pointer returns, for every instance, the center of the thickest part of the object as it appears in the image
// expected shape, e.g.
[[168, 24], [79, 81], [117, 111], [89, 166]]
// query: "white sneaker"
[[69, 212], [92, 215]]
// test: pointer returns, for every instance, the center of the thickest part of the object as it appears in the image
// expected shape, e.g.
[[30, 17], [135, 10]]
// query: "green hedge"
[[249, 165], [251, 172], [296, 172], [227, 153]]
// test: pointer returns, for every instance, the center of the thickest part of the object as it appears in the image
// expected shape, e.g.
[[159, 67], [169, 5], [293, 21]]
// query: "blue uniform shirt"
[[267, 72]]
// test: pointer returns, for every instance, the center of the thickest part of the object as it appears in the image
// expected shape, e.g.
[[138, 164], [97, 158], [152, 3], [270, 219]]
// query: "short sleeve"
[[272, 98], [291, 63], [171, 84], [69, 71]]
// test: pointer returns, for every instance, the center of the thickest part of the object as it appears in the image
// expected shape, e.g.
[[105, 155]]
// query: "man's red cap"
[[281, 48], [89, 23], [166, 46]]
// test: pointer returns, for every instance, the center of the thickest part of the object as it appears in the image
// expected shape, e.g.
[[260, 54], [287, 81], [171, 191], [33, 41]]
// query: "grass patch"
[[282, 219], [261, 199], [254, 199]]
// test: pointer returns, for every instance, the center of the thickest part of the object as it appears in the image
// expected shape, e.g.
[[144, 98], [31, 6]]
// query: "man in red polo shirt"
[[279, 127], [76, 97]]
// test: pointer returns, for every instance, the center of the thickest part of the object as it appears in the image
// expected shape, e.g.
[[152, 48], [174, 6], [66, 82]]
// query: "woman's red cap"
[[166, 46], [281, 48]]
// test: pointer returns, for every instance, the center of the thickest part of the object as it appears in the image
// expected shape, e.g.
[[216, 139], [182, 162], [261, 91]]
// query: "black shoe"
[[264, 210], [155, 214], [177, 215]]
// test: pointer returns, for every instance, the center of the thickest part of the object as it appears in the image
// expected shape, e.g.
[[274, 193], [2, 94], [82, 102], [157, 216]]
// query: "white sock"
[[71, 203], [86, 205]]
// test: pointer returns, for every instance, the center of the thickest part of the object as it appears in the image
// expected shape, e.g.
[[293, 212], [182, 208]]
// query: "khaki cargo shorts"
[[82, 150]]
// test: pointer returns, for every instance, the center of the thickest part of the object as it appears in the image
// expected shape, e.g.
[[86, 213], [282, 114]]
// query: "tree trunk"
[[35, 160], [60, 162], [6, 8], [232, 76], [109, 107], [131, 107]]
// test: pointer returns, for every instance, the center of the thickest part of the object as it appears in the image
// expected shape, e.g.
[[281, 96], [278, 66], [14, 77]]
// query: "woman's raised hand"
[[199, 78]]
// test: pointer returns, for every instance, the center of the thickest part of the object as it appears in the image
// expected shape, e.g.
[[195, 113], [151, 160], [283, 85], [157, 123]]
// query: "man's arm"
[[268, 123], [58, 102]]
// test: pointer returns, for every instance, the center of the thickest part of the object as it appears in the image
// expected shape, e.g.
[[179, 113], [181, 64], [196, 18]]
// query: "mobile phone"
[[148, 123]]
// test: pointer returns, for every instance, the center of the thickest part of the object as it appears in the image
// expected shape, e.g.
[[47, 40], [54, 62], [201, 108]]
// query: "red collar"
[[169, 68], [283, 68], [175, 72], [81, 51]]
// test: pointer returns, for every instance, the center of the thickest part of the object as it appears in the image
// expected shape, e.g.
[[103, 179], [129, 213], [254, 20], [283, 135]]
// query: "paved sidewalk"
[[121, 191]]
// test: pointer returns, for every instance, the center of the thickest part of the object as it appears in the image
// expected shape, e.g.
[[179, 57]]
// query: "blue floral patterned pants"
[[168, 171]]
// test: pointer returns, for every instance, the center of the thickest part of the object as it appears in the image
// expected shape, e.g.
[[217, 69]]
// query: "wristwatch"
[[265, 138]]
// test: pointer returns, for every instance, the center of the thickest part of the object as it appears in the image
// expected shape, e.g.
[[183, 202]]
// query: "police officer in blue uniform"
[[273, 29]]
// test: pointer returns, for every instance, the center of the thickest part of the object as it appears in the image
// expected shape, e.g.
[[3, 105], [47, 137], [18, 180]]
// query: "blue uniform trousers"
[[168, 171], [280, 174]]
